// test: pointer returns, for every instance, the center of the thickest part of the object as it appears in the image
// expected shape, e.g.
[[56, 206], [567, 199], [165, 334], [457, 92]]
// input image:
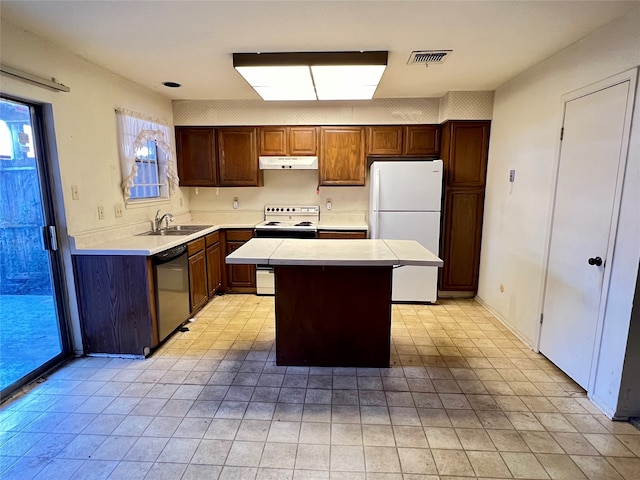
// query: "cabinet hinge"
[[561, 133], [541, 318]]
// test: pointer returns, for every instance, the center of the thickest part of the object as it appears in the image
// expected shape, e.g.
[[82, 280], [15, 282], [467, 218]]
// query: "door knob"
[[597, 261]]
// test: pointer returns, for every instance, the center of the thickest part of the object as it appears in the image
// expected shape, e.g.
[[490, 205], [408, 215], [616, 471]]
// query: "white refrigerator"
[[404, 204]]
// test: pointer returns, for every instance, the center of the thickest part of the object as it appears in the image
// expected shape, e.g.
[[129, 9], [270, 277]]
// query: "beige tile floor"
[[463, 399]]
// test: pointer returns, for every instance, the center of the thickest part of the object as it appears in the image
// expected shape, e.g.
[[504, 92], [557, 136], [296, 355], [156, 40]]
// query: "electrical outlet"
[[512, 176], [329, 204], [100, 212], [75, 194], [236, 204], [118, 209]]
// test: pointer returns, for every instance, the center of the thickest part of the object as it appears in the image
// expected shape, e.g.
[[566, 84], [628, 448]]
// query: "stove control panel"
[[289, 210]]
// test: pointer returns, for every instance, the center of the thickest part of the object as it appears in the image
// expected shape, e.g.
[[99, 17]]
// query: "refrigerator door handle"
[[376, 201]]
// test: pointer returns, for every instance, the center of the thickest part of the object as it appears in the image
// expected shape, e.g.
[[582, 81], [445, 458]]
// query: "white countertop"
[[268, 251], [128, 241]]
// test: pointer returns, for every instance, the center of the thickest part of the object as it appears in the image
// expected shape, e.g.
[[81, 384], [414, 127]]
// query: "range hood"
[[288, 163]]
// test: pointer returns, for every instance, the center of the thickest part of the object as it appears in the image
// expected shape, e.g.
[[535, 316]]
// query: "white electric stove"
[[288, 221]]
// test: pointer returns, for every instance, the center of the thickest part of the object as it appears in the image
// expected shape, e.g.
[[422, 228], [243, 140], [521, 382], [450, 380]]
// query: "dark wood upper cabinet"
[[342, 156], [285, 141], [274, 141], [465, 148], [421, 140], [196, 151], [238, 157], [384, 140], [303, 141]]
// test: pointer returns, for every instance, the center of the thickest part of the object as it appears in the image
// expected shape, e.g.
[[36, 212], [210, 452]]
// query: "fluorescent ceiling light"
[[312, 75]]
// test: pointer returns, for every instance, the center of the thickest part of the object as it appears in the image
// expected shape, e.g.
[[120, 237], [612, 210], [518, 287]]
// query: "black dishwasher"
[[171, 273]]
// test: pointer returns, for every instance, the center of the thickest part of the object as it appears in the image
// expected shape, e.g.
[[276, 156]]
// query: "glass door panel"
[[30, 328]]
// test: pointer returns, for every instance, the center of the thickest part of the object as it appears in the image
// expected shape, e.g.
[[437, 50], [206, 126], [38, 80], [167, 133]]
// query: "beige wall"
[[85, 125], [525, 137], [85, 134]]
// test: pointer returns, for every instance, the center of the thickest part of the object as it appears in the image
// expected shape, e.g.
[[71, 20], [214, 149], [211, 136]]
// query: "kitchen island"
[[333, 297]]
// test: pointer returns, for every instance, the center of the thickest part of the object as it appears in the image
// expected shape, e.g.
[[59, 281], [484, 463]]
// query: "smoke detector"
[[427, 57]]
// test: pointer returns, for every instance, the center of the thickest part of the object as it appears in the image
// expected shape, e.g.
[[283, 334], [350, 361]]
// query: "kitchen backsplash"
[[289, 187]]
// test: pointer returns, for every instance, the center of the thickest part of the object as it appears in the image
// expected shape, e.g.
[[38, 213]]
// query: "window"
[[147, 182], [146, 158]]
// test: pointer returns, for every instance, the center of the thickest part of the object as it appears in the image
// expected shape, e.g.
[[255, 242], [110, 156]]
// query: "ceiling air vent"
[[426, 57]]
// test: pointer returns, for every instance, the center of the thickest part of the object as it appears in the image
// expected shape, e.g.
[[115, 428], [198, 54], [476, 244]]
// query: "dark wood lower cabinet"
[[344, 234], [214, 273], [117, 303], [461, 236], [198, 291], [239, 278], [344, 320]]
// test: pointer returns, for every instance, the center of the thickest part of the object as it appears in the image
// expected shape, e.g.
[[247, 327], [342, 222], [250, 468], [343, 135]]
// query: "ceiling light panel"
[[312, 75]]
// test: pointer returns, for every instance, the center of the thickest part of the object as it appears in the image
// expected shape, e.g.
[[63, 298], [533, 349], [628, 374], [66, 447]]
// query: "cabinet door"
[[384, 140], [240, 278], [342, 234], [303, 141], [342, 156], [465, 148], [274, 141], [238, 157], [461, 239], [214, 274], [422, 140], [198, 291], [196, 151]]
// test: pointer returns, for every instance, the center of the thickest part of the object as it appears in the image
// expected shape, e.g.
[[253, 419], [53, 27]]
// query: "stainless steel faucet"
[[159, 219]]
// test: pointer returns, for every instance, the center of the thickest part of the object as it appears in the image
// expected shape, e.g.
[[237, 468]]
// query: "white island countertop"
[[269, 251]]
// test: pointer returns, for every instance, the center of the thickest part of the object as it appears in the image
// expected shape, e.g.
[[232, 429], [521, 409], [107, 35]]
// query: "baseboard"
[[449, 294], [504, 322]]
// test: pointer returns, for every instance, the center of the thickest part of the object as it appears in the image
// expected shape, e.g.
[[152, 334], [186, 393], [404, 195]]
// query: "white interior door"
[[582, 220]]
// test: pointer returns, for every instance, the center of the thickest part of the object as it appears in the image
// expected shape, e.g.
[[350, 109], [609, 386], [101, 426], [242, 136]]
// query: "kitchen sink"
[[176, 230]]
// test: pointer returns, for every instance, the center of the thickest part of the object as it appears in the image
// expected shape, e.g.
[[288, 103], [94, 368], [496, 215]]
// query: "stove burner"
[[271, 224], [303, 224]]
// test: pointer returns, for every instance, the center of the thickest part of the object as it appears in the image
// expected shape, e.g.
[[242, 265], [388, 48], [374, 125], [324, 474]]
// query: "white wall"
[[85, 133], [525, 137]]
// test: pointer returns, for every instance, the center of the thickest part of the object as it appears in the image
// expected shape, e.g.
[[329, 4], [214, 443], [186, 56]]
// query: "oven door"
[[265, 280], [265, 277]]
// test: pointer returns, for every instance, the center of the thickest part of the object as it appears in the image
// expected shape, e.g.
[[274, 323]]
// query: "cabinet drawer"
[[343, 234], [212, 238], [239, 235], [195, 246]]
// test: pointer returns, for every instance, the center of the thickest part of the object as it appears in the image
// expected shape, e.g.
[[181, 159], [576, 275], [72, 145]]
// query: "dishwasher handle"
[[169, 255]]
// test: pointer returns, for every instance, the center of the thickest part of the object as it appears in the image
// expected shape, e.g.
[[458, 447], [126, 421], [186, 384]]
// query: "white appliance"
[[289, 221], [288, 163], [405, 203]]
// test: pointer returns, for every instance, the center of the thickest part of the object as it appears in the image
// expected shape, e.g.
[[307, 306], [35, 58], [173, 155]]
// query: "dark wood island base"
[[333, 316]]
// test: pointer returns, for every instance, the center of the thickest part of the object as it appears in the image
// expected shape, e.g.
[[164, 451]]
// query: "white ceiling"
[[191, 42]]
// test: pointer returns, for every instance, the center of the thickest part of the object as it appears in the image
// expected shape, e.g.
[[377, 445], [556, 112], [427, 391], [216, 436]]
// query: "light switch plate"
[[75, 193]]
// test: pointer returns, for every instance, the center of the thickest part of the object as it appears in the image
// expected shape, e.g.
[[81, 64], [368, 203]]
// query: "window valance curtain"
[[134, 132]]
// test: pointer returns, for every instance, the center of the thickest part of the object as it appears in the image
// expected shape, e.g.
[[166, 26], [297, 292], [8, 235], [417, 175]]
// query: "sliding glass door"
[[31, 335]]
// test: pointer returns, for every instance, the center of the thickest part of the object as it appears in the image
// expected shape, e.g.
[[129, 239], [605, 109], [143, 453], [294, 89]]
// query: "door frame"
[[44, 143], [630, 76]]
